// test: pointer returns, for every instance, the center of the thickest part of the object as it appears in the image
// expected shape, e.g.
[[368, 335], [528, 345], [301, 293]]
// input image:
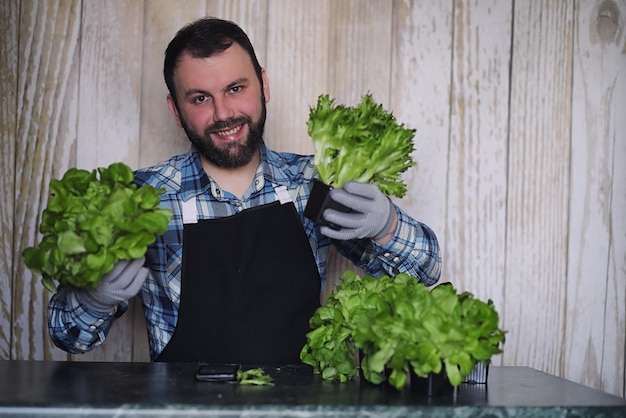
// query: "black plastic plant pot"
[[319, 201], [435, 384], [479, 374]]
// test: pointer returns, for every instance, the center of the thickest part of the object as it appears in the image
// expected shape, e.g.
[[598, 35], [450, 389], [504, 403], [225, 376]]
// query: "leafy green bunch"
[[363, 143], [401, 326], [330, 345], [93, 220]]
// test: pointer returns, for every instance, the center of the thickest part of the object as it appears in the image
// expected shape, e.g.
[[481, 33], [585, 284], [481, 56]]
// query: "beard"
[[234, 154]]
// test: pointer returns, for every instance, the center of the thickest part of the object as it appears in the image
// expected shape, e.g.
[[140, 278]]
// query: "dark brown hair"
[[201, 39]]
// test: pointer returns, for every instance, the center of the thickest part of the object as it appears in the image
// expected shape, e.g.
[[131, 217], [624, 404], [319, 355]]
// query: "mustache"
[[227, 124]]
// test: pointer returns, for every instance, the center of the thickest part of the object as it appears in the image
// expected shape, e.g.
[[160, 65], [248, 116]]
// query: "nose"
[[222, 109]]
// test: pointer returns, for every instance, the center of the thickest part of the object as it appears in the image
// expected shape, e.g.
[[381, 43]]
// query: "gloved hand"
[[372, 216], [120, 284]]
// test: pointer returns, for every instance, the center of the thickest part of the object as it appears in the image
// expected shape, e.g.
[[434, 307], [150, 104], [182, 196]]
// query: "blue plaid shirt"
[[76, 328]]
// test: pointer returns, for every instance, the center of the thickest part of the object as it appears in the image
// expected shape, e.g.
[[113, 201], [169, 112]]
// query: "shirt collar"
[[195, 181], [274, 168]]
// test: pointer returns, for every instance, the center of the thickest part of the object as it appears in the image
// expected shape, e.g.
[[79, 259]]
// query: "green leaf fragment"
[[254, 377]]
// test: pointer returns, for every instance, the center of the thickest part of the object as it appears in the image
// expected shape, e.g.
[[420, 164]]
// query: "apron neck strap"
[[190, 207]]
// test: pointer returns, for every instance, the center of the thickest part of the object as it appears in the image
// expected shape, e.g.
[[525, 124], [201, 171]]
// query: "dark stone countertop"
[[81, 389]]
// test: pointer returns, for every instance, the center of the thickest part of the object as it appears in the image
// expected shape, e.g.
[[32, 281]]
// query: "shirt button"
[[396, 259], [93, 327], [387, 255]]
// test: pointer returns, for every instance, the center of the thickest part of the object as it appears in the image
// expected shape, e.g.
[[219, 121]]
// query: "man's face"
[[221, 106]]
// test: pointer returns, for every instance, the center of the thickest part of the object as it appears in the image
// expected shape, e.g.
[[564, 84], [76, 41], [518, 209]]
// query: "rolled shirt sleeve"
[[75, 327], [414, 250]]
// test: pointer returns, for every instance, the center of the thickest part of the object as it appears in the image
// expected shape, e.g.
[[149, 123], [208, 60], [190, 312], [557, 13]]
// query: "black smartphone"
[[223, 372]]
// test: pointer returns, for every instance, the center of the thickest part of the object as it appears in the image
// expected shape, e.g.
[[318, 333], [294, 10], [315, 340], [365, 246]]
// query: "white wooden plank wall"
[[8, 120], [595, 305], [474, 235], [538, 184], [45, 147], [519, 108]]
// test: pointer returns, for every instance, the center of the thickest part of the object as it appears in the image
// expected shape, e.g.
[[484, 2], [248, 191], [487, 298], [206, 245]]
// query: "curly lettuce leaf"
[[364, 143]]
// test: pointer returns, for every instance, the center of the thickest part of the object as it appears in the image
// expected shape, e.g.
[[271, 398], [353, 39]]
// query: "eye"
[[236, 89], [200, 99]]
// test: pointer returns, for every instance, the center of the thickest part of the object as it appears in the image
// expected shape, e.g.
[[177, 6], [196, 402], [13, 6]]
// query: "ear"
[[171, 104], [266, 85]]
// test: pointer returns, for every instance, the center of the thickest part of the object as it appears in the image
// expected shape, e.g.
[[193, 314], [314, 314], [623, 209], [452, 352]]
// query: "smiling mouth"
[[229, 132]]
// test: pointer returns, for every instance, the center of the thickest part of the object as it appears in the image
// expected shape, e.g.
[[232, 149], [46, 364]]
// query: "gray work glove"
[[119, 285], [372, 216]]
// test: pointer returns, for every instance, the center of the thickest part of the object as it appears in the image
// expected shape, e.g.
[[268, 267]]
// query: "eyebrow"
[[241, 80]]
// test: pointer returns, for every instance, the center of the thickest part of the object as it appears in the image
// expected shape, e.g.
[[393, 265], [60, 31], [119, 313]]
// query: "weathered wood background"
[[520, 111]]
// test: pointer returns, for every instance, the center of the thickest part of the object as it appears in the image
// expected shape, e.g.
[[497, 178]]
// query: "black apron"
[[249, 286]]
